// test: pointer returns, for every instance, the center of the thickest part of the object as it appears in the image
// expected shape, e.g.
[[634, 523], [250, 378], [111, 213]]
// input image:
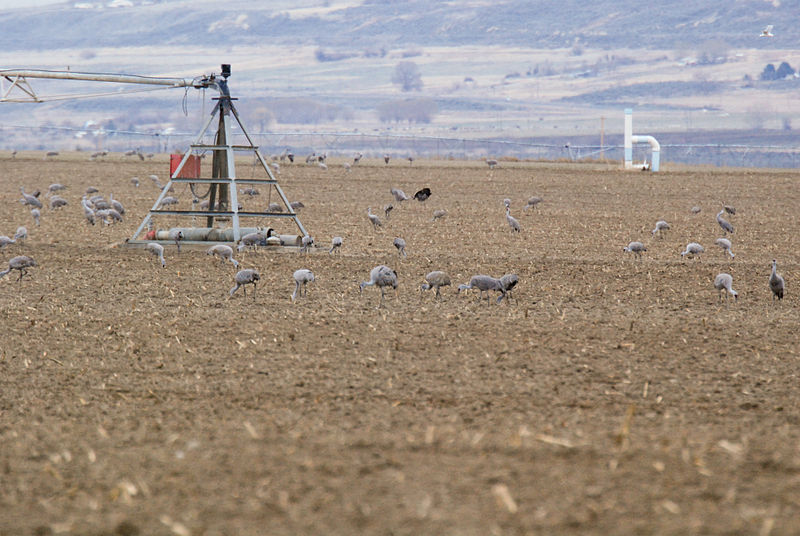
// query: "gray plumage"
[[88, 211], [274, 207], [135, 182], [729, 209], [375, 220], [399, 195], [435, 280], [169, 200], [308, 241], [6, 241], [57, 202], [224, 252], [336, 243], [91, 190], [725, 244], [400, 244], [484, 283], [695, 210], [28, 199], [250, 191], [507, 202], [301, 278], [55, 187], [21, 234], [248, 276], [532, 202], [509, 281], [512, 221], [380, 276], [439, 214], [158, 251], [21, 263], [35, 214], [116, 205], [388, 209], [491, 162], [661, 228], [776, 283], [723, 283], [725, 224], [636, 248], [297, 205], [693, 249]]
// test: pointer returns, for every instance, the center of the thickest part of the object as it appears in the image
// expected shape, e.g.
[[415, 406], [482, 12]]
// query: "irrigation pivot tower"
[[223, 205]]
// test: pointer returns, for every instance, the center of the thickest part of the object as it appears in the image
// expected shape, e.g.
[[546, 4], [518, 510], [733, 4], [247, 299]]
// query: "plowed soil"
[[610, 395]]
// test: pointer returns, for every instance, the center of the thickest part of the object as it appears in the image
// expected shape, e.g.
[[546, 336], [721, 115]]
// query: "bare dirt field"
[[610, 396]]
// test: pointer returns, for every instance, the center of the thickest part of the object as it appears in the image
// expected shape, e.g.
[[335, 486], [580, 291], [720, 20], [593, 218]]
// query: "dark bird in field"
[[423, 194]]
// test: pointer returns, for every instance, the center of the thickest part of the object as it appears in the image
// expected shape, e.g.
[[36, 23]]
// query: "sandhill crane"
[[57, 202], [724, 282], [169, 200], [35, 214], [21, 263], [248, 276], [423, 194], [693, 249], [29, 199], [509, 281], [301, 278], [484, 283], [116, 205], [376, 221], [729, 209], [6, 241], [399, 195], [255, 239], [695, 210], [767, 31], [380, 276], [347, 167], [357, 158], [725, 244], [308, 241], [776, 283], [661, 228], [491, 162], [388, 210], [55, 187], [274, 207], [323, 166], [250, 192], [336, 243], [276, 166], [512, 221], [224, 252], [400, 244], [532, 202], [507, 202], [726, 226], [22, 233], [158, 251], [386, 159], [91, 190], [439, 214], [135, 182], [410, 160], [88, 211], [297, 205], [636, 248], [435, 280]]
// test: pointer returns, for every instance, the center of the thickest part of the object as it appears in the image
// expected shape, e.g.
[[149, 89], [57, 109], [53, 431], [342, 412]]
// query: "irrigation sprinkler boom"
[[18, 79]]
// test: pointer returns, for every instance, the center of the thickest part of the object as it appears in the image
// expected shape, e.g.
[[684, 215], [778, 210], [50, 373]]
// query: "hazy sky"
[[11, 4]]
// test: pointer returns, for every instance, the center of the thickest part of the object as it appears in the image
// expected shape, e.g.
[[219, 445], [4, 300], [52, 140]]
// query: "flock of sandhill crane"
[[96, 207], [723, 282]]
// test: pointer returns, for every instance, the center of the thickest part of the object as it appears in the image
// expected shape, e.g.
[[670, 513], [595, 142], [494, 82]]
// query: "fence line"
[[420, 146]]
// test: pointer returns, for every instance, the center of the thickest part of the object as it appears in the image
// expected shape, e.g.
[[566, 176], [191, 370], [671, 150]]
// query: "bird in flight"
[[767, 31]]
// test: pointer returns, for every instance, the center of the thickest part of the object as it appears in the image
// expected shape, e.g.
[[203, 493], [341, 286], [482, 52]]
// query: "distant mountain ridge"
[[605, 24]]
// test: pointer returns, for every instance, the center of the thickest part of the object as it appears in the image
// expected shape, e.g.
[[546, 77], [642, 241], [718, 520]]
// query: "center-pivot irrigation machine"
[[222, 211]]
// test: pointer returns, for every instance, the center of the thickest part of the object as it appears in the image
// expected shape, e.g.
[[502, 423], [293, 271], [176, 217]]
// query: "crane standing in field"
[[20, 263], [381, 276]]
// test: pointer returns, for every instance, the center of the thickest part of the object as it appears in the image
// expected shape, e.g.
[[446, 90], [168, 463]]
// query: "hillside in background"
[[504, 69]]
